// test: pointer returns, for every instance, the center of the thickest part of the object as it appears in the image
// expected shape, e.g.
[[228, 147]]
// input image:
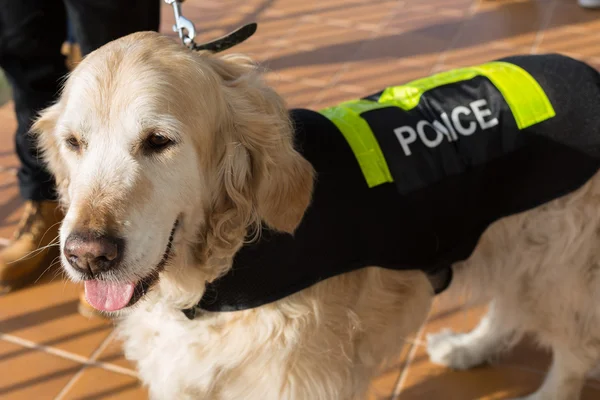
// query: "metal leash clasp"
[[183, 26], [187, 33]]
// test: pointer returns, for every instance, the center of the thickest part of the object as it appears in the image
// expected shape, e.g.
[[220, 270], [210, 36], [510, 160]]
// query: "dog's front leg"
[[466, 350]]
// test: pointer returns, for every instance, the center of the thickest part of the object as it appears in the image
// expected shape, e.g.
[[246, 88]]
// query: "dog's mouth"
[[110, 296]]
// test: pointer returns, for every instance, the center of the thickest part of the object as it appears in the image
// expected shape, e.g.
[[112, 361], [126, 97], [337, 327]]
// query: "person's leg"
[[97, 22], [31, 34]]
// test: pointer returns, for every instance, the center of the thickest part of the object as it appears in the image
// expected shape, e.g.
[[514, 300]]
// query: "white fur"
[[328, 341]]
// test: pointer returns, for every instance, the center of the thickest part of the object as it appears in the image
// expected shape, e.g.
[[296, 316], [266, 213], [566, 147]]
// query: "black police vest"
[[411, 177]]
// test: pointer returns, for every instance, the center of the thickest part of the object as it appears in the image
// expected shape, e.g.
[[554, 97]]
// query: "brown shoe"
[[72, 52], [33, 248]]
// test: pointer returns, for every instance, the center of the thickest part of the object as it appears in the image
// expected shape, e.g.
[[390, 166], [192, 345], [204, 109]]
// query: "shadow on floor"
[[405, 44]]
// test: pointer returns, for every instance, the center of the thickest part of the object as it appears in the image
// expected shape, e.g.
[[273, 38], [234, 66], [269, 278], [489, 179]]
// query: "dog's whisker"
[[34, 253], [48, 230], [52, 264]]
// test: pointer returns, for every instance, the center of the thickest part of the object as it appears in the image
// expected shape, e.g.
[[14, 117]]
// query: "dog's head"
[[165, 160]]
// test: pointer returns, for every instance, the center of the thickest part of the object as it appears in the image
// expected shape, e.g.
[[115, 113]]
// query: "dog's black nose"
[[91, 253]]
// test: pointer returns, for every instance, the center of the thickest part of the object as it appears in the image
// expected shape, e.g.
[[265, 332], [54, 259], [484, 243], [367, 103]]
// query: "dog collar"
[[439, 280]]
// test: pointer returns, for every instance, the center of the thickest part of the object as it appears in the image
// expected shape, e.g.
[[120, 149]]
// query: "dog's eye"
[[157, 142], [73, 143]]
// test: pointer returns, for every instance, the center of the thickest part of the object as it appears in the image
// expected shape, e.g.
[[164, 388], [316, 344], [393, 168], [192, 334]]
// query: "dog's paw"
[[453, 350]]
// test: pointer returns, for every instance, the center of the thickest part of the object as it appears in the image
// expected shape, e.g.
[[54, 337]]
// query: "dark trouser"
[[31, 35]]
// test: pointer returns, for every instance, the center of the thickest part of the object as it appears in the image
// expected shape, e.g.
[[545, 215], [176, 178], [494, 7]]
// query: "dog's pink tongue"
[[108, 296]]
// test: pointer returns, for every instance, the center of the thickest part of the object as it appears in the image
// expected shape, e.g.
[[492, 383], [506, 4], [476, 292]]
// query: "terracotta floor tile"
[[331, 97], [384, 385], [97, 384], [426, 19], [425, 380], [316, 51], [448, 4], [411, 37], [46, 313], [576, 44], [295, 93], [268, 39], [365, 78], [515, 24], [572, 31], [113, 354], [568, 15], [365, 15], [499, 4], [581, 46], [322, 7], [27, 374], [475, 55], [228, 15], [290, 8]]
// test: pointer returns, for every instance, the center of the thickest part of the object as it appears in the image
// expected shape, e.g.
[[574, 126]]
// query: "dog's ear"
[[261, 163], [43, 129]]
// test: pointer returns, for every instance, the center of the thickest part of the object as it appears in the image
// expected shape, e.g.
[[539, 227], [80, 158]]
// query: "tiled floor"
[[319, 52]]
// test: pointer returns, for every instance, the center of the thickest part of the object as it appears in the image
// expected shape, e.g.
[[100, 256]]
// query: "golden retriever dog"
[[167, 160]]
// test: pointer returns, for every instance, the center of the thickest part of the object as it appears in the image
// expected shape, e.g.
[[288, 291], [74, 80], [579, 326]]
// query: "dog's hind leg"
[[567, 375], [466, 350]]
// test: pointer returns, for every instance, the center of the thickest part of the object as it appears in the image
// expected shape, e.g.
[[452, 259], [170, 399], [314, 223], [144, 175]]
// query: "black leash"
[[228, 41], [187, 32]]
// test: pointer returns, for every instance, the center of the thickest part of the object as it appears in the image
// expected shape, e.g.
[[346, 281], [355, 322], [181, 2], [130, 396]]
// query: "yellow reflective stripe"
[[359, 136], [525, 97]]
